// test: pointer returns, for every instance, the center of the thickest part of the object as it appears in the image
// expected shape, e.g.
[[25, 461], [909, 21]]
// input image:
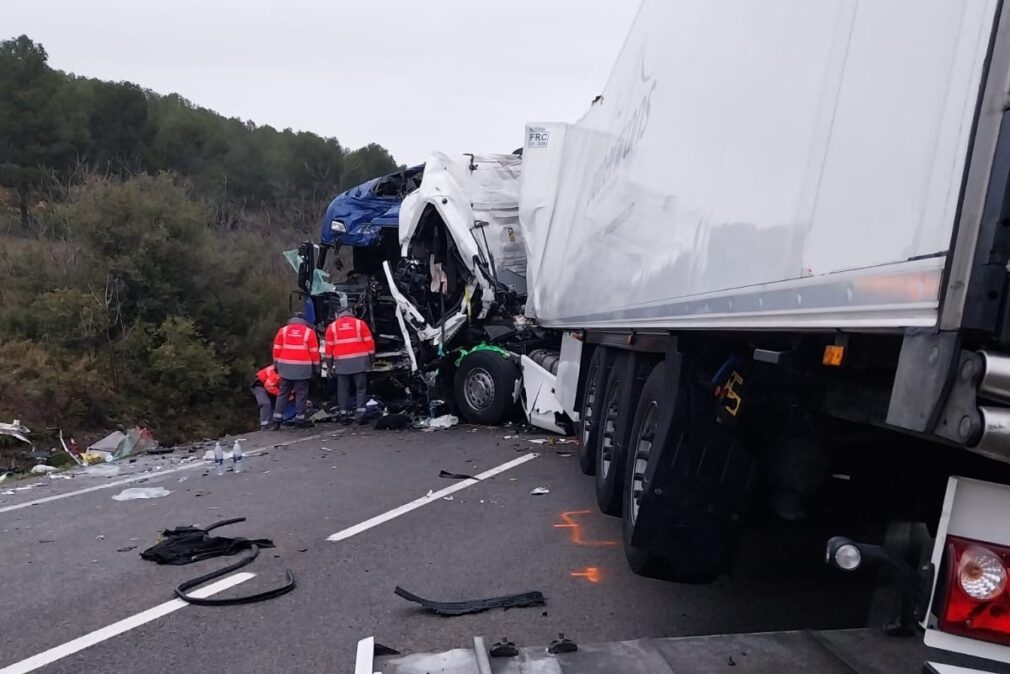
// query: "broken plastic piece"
[[444, 421], [457, 476], [562, 645], [16, 429], [539, 491], [102, 470], [503, 649], [452, 608], [135, 493]]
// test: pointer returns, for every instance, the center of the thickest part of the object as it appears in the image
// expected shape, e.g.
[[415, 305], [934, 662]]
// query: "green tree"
[[37, 128]]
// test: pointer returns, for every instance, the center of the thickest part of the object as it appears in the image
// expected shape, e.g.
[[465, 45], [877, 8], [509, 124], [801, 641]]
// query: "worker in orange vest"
[[349, 350], [296, 358], [265, 387]]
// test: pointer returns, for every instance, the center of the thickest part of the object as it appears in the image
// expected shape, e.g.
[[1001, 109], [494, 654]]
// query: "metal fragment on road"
[[454, 608]]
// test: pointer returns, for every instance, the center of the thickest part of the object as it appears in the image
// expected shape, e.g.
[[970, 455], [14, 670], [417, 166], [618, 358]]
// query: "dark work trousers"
[[360, 380], [301, 389], [266, 404]]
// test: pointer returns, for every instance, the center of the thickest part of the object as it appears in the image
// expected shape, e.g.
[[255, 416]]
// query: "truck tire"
[[483, 387], [713, 477], [592, 400], [643, 428], [612, 436]]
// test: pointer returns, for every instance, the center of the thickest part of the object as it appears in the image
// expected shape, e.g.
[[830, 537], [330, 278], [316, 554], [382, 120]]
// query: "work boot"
[[302, 423], [277, 424]]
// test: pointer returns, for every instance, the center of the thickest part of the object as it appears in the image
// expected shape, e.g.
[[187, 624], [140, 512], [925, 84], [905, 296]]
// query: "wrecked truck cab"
[[446, 287], [358, 216]]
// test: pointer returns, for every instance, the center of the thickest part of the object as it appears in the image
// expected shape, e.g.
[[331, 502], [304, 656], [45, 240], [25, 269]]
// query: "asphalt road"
[[71, 564]]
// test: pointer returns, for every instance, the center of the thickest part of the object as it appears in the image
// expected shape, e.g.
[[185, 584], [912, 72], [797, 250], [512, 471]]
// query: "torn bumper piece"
[[453, 608]]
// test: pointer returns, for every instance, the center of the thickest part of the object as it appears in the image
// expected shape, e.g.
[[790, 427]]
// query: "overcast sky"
[[453, 75]]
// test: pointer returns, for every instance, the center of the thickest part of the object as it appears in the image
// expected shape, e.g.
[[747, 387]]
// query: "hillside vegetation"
[[140, 235]]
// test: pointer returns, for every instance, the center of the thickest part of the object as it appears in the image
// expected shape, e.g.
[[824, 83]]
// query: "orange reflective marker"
[[575, 530], [834, 354], [590, 573]]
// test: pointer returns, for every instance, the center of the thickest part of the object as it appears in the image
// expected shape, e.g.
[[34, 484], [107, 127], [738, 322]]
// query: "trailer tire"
[[483, 387], [643, 562], [611, 440], [592, 401]]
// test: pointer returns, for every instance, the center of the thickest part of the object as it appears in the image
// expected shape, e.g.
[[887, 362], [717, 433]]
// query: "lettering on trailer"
[[538, 137], [632, 117]]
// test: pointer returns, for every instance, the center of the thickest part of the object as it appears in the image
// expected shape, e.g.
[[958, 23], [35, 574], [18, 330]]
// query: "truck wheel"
[[643, 431], [612, 435], [589, 413], [483, 387]]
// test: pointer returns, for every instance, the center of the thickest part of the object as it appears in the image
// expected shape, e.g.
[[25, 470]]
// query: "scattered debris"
[[392, 422], [127, 548], [457, 476], [3, 476], [17, 430], [43, 469], [102, 470], [60, 476], [135, 493], [185, 545], [444, 421], [183, 478], [100, 537], [539, 491], [564, 452], [109, 443], [454, 608], [118, 445], [430, 492], [448, 498], [538, 441]]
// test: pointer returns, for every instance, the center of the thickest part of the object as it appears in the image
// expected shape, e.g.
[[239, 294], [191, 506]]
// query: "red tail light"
[[975, 602]]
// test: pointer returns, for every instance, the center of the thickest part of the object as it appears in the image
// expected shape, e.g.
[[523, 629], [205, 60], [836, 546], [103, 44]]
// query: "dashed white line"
[[148, 476], [425, 500], [117, 628]]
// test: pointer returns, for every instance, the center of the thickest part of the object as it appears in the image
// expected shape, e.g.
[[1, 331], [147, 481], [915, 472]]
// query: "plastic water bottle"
[[236, 457], [219, 459]]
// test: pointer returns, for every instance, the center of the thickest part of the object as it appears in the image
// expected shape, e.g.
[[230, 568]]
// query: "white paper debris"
[[444, 421], [102, 470], [141, 493], [448, 498], [538, 441], [539, 491], [43, 469]]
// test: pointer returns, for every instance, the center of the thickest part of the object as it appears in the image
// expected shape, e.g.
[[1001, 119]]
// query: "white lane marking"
[[365, 656], [117, 628], [199, 463], [425, 500]]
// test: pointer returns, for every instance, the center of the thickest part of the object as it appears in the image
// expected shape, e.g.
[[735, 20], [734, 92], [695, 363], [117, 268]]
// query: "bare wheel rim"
[[608, 431], [587, 409], [479, 389], [643, 447]]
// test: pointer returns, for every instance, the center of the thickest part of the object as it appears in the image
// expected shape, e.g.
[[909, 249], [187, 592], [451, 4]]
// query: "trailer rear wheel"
[[643, 432], [589, 413], [483, 387], [616, 410]]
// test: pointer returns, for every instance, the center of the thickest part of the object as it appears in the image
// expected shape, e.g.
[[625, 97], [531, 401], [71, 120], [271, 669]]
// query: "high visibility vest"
[[296, 351], [270, 379], [348, 337]]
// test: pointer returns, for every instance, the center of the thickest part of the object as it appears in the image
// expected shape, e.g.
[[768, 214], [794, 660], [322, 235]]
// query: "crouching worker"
[[349, 350], [265, 387], [296, 358]]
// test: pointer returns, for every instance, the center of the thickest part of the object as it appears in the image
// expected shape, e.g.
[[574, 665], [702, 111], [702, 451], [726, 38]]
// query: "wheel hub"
[[479, 389], [643, 447]]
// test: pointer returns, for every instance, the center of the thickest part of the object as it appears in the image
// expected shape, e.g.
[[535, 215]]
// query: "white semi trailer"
[[774, 258]]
